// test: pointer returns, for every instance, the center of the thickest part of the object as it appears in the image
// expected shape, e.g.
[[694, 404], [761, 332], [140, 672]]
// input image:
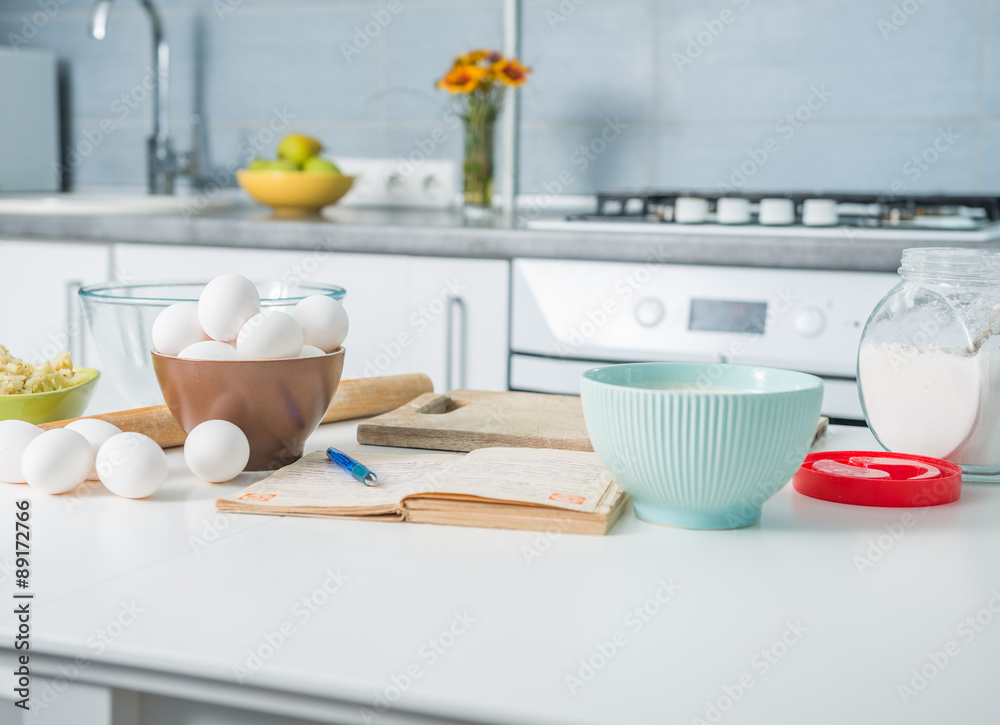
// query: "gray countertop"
[[449, 235]]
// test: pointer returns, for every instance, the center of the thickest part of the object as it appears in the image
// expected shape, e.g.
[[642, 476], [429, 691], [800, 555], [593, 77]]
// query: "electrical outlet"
[[395, 183]]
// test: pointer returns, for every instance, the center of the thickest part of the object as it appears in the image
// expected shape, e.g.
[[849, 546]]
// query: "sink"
[[103, 204]]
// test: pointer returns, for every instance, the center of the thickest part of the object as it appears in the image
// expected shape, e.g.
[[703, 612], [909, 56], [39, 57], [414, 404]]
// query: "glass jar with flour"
[[929, 360]]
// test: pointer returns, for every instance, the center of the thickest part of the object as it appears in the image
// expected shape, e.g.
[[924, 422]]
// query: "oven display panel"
[[728, 316]]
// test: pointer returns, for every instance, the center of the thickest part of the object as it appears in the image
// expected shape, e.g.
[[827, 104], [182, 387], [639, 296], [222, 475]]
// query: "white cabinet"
[[41, 311], [458, 317], [405, 311]]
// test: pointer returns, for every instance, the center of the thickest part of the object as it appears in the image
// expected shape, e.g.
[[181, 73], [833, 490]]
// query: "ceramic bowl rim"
[[280, 173], [810, 382], [339, 351], [93, 373]]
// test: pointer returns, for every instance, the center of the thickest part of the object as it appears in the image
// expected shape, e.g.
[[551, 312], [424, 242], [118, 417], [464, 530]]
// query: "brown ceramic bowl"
[[277, 403]]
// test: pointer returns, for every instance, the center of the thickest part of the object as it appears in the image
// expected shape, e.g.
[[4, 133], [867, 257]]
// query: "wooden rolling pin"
[[355, 399]]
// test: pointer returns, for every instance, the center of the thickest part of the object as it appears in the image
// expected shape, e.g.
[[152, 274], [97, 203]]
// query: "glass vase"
[[477, 166]]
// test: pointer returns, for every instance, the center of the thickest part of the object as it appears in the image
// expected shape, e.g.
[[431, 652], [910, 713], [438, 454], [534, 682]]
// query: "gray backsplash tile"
[[989, 170], [256, 63], [578, 159], [767, 59], [891, 79], [589, 60], [436, 140], [837, 157], [119, 159], [421, 44], [991, 71]]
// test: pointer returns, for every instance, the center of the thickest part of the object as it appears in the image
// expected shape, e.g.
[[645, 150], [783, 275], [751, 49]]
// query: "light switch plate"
[[398, 183]]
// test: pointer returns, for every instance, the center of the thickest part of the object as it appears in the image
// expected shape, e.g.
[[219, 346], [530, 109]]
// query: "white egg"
[[96, 431], [323, 320], [15, 435], [269, 336], [311, 351], [176, 328], [216, 451], [208, 350], [57, 461], [226, 303], [132, 465]]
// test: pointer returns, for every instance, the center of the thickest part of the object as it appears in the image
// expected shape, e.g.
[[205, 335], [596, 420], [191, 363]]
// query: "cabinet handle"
[[455, 347], [75, 337]]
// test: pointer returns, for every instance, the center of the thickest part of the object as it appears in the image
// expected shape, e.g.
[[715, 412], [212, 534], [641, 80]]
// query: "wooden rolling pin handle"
[[354, 399]]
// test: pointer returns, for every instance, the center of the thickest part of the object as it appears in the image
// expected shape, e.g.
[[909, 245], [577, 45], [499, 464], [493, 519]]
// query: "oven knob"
[[649, 312], [810, 321]]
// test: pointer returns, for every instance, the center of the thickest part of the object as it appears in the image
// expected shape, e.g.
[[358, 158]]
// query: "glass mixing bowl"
[[121, 318]]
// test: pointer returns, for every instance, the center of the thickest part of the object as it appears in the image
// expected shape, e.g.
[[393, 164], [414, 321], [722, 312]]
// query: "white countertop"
[[523, 609]]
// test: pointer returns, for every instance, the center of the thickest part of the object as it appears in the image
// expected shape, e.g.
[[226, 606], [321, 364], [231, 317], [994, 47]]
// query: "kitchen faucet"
[[163, 163]]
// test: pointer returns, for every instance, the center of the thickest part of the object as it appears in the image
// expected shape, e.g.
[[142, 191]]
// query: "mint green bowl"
[[700, 445]]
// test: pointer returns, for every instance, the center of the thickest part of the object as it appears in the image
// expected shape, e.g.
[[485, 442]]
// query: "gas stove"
[[933, 217]]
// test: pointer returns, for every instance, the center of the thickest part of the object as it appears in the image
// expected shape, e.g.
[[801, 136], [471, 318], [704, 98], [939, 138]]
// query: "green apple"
[[298, 147], [317, 165], [283, 165], [260, 165]]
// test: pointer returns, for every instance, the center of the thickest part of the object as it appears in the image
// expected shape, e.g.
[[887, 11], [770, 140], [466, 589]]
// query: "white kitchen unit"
[[408, 314], [38, 285], [165, 612], [459, 308]]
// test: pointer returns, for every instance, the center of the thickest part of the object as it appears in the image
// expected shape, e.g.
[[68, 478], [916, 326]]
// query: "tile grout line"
[[654, 158], [984, 57], [383, 88]]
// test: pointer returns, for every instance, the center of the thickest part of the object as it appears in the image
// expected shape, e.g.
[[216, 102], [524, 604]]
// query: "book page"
[[571, 480], [316, 482]]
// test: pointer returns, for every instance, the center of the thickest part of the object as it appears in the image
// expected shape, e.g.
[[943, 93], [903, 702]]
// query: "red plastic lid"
[[873, 478]]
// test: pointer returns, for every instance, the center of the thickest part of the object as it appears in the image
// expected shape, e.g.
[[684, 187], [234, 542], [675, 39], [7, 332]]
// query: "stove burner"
[[938, 211]]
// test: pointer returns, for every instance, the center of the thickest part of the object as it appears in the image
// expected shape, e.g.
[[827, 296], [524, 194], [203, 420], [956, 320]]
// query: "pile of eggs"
[[226, 323], [130, 465]]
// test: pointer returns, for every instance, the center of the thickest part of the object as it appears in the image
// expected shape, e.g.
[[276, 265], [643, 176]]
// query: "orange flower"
[[477, 57], [462, 79], [510, 72], [472, 57]]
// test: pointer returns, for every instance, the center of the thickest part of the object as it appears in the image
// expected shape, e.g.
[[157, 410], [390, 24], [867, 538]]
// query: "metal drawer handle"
[[75, 337], [455, 343]]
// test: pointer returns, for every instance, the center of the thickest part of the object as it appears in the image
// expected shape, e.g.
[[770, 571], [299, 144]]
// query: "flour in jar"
[[934, 402]]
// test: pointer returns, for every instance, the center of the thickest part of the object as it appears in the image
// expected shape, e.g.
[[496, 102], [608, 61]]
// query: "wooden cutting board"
[[464, 420], [354, 399]]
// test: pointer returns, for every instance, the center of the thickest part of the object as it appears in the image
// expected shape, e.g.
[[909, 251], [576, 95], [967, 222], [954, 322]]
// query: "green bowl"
[[700, 445], [38, 408]]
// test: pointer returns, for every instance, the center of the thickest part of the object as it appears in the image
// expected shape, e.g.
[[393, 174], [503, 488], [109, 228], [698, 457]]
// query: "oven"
[[569, 316]]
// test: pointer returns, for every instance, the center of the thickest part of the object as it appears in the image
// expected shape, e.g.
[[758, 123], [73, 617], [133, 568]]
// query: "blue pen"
[[358, 470]]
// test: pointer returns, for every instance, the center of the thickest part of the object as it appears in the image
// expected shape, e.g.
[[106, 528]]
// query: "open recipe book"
[[500, 488]]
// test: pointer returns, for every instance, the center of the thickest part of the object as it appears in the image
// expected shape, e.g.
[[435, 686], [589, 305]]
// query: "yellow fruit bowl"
[[38, 408], [294, 193]]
